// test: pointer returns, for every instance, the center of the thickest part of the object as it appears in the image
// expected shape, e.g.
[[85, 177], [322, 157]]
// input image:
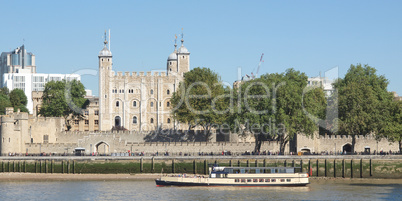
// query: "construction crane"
[[258, 68], [248, 77]]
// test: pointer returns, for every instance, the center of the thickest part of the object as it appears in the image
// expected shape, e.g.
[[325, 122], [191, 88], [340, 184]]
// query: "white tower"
[[105, 71]]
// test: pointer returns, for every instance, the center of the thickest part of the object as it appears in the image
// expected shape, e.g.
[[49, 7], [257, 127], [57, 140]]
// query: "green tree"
[[201, 100], [4, 102], [392, 129], [363, 102], [4, 91], [64, 99], [18, 100], [274, 107]]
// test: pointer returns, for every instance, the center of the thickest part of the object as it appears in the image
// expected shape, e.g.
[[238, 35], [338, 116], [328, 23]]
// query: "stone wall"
[[336, 143]]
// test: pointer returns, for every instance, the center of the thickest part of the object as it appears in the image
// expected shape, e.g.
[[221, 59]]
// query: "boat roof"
[[254, 168]]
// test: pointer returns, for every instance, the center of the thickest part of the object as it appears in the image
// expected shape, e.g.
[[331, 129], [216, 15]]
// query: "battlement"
[[11, 118], [332, 137], [140, 74]]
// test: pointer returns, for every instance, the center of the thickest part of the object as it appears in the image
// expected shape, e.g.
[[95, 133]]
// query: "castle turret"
[[105, 70], [13, 131], [183, 57], [172, 61]]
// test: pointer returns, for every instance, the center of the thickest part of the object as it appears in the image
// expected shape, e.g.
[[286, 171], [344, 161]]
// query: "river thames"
[[321, 189]]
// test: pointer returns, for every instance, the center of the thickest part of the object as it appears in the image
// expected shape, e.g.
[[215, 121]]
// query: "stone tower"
[[105, 71], [13, 132], [172, 67], [183, 60]]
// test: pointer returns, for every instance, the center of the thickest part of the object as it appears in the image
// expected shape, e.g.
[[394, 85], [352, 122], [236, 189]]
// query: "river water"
[[370, 189]]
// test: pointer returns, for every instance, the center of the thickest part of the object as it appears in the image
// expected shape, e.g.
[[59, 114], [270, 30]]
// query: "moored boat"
[[240, 176]]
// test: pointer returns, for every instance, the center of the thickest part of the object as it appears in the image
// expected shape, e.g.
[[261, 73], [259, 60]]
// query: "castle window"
[[86, 112], [76, 122], [134, 120], [9, 140], [102, 59], [152, 120], [117, 103], [107, 59], [168, 91], [184, 57], [170, 63], [96, 122], [168, 104], [122, 91], [152, 104], [168, 120], [86, 122], [45, 139], [96, 112], [134, 103], [170, 69], [152, 91]]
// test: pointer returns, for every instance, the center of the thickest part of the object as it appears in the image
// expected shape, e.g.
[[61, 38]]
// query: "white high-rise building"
[[18, 71]]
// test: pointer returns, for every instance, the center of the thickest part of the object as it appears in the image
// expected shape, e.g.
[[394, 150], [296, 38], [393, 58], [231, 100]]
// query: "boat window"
[[288, 180], [255, 180], [248, 180], [257, 170], [261, 180], [282, 170], [243, 180], [282, 180], [273, 180], [242, 171], [237, 180], [267, 180]]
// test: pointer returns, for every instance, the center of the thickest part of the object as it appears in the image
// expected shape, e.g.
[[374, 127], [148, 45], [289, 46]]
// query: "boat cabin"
[[222, 172]]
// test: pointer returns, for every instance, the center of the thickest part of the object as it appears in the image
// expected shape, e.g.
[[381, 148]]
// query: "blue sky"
[[310, 36]]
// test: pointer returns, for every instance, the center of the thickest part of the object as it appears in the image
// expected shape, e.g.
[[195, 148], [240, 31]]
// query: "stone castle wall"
[[336, 143]]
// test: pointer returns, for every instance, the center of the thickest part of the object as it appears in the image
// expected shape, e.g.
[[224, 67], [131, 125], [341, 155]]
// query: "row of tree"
[[279, 105], [16, 99], [60, 99]]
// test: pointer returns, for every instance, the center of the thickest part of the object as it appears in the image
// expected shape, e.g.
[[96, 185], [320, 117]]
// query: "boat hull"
[[161, 183]]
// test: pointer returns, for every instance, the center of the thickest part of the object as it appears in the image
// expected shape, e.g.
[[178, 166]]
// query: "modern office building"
[[18, 71]]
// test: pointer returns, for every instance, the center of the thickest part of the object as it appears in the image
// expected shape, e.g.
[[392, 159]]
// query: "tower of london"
[[139, 101]]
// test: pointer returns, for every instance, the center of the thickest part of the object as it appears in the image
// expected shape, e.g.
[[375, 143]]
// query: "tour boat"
[[240, 176]]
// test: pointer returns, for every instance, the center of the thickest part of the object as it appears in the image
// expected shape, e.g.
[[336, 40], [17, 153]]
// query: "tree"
[[18, 100], [201, 100], [63, 99], [273, 107], [4, 102], [363, 102], [392, 128], [4, 91]]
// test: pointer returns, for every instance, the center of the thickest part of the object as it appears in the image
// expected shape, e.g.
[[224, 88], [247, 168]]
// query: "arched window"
[[168, 120], [134, 103], [134, 120], [117, 121], [168, 104], [152, 91], [152, 104], [152, 120], [117, 103], [170, 69], [168, 91]]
